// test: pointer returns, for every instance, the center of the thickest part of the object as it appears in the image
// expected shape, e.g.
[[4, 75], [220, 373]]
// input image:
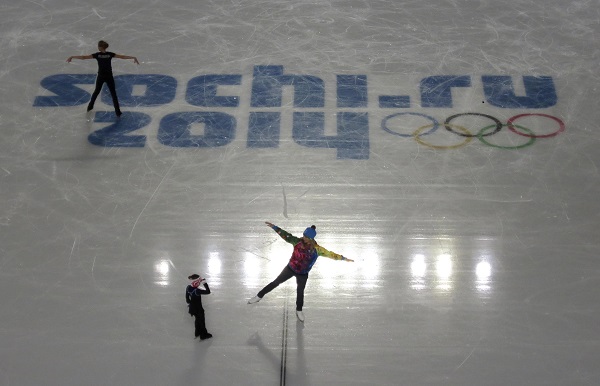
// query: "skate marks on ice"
[[280, 363], [284, 342]]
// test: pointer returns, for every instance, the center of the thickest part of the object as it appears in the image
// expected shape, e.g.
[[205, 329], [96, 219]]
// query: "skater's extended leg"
[[285, 275], [99, 83]]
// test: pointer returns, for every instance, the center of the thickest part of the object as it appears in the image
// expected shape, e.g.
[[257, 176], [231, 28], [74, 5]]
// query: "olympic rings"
[[561, 125], [465, 131], [480, 134], [434, 126], [498, 123]]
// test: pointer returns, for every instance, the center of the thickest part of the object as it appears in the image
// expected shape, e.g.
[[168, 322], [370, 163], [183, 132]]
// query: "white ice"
[[475, 265]]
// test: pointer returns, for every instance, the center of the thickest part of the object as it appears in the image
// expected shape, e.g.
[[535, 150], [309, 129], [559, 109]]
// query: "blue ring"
[[436, 124]]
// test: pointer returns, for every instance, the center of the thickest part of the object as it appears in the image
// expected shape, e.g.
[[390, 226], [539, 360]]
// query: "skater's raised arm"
[[206, 290], [284, 234], [80, 57], [191, 290], [127, 57]]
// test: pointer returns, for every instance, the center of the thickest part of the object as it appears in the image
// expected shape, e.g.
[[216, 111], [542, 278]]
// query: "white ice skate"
[[300, 316], [255, 299]]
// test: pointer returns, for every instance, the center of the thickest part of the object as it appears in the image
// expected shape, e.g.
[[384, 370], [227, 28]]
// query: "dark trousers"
[[200, 324], [110, 82], [284, 276]]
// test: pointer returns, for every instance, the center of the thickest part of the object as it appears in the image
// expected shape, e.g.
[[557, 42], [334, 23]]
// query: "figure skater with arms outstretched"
[[305, 254], [105, 74]]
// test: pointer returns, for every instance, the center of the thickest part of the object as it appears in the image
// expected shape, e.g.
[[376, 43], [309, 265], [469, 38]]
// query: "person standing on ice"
[[193, 297], [105, 74], [305, 254]]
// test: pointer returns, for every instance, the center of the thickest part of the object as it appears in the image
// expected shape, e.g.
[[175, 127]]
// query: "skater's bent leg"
[[285, 275], [301, 284]]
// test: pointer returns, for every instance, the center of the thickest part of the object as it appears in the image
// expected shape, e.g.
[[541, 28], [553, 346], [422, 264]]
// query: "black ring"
[[498, 124]]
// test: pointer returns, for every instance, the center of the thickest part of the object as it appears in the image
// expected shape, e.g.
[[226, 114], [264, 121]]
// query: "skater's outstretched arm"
[[80, 57], [127, 57], [283, 234], [332, 255]]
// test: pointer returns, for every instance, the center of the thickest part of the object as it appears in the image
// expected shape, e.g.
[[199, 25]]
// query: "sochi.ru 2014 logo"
[[351, 140]]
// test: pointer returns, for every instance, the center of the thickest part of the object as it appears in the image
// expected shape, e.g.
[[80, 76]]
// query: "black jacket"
[[194, 299]]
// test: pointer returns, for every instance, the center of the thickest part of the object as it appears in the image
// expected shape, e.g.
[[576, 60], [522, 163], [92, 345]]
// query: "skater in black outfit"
[[194, 300], [105, 74]]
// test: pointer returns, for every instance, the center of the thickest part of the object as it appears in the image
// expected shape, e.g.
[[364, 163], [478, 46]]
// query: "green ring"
[[529, 143]]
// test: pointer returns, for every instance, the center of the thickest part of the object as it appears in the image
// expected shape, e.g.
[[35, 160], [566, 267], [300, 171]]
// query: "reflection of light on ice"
[[344, 275], [259, 271], [251, 268], [214, 263], [334, 274], [483, 272], [443, 268], [162, 272], [370, 268], [327, 274], [418, 269], [279, 255]]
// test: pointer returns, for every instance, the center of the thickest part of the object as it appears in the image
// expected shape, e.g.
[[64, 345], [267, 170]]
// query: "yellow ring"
[[417, 133]]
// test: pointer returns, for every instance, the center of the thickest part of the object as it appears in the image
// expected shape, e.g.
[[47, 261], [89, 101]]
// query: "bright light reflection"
[[341, 274], [327, 274], [483, 272], [251, 268], [214, 264], [279, 255], [443, 266], [443, 269], [370, 268], [418, 269], [262, 267], [162, 273]]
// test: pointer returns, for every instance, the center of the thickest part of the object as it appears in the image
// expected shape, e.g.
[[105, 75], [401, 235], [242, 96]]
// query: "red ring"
[[511, 127]]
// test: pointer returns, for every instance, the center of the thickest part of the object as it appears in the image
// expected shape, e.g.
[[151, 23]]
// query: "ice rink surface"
[[450, 148]]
